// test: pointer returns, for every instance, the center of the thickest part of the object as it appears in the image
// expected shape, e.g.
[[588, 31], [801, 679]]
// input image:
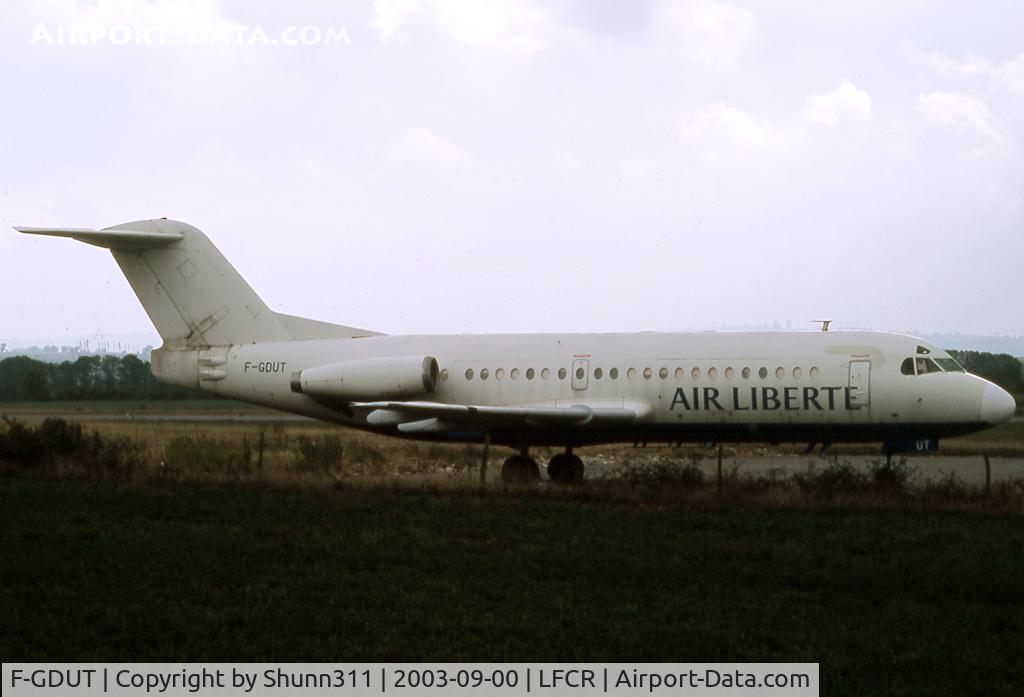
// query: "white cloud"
[[831, 107], [1008, 75], [1012, 74], [956, 109], [389, 15], [963, 114], [948, 66], [710, 32], [740, 128], [510, 25], [420, 141]]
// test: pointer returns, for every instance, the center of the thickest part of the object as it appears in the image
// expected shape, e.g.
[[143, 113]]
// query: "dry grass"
[[371, 459]]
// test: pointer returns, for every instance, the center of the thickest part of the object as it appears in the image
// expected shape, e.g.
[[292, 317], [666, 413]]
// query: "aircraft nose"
[[996, 405]]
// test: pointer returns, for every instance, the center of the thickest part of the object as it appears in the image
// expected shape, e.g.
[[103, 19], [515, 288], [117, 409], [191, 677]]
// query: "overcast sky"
[[567, 165]]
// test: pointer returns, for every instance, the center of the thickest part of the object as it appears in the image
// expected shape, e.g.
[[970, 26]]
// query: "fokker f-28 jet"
[[523, 390]]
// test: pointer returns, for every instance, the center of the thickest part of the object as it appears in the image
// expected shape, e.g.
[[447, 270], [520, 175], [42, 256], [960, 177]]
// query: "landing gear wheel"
[[565, 468], [520, 470]]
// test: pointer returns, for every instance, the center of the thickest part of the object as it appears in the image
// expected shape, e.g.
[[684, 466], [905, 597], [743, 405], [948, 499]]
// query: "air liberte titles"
[[763, 399]]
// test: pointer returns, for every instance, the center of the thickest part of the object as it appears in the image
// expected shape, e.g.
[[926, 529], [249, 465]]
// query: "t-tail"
[[195, 298]]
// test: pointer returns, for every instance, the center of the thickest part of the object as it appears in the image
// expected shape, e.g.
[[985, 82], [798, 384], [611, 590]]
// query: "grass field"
[[888, 600], [1005, 440]]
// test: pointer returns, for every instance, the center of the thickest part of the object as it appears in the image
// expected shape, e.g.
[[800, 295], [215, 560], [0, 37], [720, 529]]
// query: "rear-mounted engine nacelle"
[[371, 379]]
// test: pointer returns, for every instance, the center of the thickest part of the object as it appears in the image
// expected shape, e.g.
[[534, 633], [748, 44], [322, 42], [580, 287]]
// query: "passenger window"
[[545, 374], [444, 374], [763, 372], [695, 373], [663, 373], [561, 373], [515, 373], [712, 373], [746, 373], [613, 373], [780, 372], [648, 373], [529, 373], [631, 373], [484, 373], [679, 373], [729, 373], [907, 367], [580, 373], [797, 373], [499, 374], [469, 373], [814, 372]]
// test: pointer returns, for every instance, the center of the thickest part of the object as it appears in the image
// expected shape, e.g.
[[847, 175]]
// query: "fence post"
[[483, 461], [988, 475], [719, 468]]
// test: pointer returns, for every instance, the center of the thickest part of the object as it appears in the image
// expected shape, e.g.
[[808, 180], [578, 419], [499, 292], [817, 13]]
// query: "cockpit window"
[[922, 349], [927, 365], [950, 365], [907, 368]]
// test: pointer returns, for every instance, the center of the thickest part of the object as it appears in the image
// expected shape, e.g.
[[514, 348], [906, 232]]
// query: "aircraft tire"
[[520, 470], [565, 468]]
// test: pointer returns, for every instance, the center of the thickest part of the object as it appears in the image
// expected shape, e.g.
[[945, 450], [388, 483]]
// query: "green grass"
[[888, 601]]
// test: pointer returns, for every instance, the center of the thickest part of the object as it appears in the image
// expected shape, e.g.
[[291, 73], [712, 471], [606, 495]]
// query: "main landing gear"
[[522, 470], [565, 468]]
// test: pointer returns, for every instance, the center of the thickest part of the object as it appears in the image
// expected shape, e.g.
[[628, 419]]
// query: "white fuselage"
[[736, 386]]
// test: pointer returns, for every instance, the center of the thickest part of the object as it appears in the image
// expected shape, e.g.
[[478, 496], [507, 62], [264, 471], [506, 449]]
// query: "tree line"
[[24, 379], [1001, 368]]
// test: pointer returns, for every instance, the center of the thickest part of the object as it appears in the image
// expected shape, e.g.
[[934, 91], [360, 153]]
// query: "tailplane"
[[192, 294]]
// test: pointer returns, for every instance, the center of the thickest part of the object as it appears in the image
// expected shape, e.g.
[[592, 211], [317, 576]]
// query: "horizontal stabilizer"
[[128, 240]]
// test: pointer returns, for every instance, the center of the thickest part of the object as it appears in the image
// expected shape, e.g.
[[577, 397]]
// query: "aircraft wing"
[[421, 417]]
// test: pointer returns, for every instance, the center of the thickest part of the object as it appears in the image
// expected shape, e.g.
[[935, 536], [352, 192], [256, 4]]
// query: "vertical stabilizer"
[[194, 297]]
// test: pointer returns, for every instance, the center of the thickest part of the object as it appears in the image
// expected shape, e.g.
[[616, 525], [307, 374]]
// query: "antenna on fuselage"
[[824, 323]]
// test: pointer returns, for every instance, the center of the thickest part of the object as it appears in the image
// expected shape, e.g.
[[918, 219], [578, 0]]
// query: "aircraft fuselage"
[[815, 386]]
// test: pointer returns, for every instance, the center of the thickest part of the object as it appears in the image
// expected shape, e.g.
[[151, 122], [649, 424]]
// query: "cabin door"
[[860, 383], [580, 373]]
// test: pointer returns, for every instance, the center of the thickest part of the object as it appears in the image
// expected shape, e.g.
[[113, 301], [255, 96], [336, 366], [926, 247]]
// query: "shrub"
[[207, 454], [119, 456], [319, 454], [21, 445], [947, 488], [60, 437], [664, 475], [892, 476], [57, 440], [361, 453], [838, 479]]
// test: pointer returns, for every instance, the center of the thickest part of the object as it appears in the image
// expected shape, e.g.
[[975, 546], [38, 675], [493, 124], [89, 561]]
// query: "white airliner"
[[565, 390]]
